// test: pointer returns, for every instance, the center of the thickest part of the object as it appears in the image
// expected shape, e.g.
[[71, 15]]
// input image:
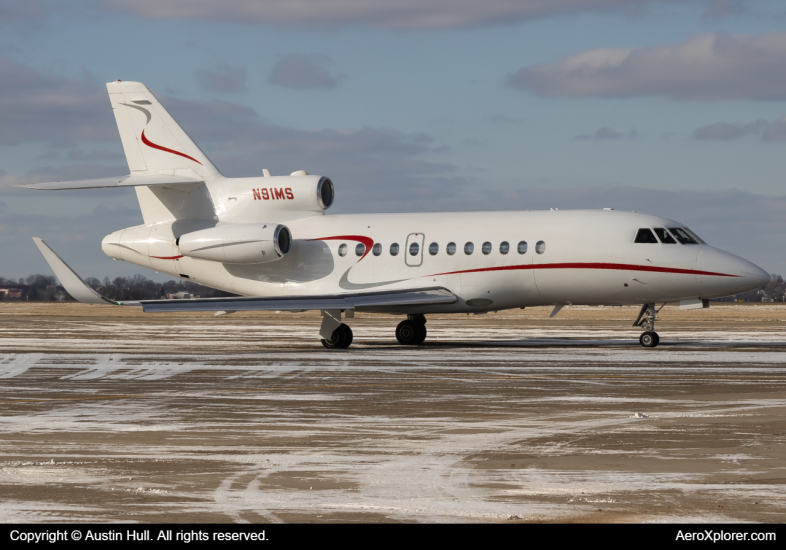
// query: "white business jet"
[[268, 240]]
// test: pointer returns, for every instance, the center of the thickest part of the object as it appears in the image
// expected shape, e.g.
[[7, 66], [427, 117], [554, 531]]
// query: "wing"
[[420, 296], [133, 180], [77, 288]]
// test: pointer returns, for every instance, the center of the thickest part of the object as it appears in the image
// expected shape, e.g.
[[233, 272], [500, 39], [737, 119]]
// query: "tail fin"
[[152, 140]]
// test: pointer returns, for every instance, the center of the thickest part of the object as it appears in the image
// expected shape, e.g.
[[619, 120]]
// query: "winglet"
[[74, 284]]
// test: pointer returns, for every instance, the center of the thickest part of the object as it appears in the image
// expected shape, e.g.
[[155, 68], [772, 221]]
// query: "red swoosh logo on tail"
[[161, 148]]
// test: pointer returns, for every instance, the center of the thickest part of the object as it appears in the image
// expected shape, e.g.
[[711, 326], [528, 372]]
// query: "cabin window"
[[522, 247], [486, 248], [664, 236], [469, 248], [433, 248], [376, 249], [451, 249], [360, 249], [414, 248], [682, 235], [540, 248], [645, 236], [504, 247], [394, 249], [342, 250]]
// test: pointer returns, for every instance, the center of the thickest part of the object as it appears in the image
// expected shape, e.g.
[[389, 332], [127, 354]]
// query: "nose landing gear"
[[412, 332], [646, 318]]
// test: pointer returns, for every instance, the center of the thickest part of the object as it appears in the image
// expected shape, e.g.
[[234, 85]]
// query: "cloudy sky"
[[672, 107]]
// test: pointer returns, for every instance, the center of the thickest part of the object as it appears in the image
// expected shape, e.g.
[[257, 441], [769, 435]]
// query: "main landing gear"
[[646, 318], [412, 332], [341, 338]]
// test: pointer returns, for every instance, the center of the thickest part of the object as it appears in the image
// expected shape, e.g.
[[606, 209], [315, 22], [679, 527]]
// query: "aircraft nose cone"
[[753, 273], [725, 274]]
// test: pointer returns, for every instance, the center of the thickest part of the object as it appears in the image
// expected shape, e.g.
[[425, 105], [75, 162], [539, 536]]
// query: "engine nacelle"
[[243, 243], [275, 198], [305, 193]]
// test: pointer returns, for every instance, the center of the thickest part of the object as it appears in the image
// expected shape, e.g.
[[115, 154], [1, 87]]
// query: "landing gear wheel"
[[422, 335], [649, 339], [348, 335], [410, 333], [341, 338]]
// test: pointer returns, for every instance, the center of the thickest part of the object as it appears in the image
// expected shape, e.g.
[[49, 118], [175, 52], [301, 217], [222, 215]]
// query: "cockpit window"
[[694, 235], [664, 236], [645, 236], [681, 235]]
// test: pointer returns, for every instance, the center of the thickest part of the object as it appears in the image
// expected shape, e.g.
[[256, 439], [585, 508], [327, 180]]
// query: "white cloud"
[[776, 131], [46, 107], [304, 72], [606, 133], [724, 131], [395, 14], [706, 67]]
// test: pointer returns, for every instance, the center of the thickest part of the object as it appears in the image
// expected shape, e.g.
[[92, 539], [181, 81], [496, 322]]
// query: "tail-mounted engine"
[[245, 243], [276, 198]]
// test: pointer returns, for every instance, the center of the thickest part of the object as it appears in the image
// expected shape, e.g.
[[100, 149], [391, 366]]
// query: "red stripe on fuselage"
[[167, 257], [615, 267], [161, 148], [367, 241]]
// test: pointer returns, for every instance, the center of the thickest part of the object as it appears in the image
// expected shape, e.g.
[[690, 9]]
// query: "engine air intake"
[[325, 193]]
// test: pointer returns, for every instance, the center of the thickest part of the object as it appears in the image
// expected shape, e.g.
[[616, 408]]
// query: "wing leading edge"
[[77, 288]]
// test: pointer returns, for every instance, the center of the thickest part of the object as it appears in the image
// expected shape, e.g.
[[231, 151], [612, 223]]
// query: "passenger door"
[[414, 244]]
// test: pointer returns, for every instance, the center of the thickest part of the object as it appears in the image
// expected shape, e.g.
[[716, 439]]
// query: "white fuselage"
[[589, 257]]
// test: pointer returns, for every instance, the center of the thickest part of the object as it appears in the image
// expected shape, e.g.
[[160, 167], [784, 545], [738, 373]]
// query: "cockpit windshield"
[[645, 236], [664, 236], [683, 236], [694, 235]]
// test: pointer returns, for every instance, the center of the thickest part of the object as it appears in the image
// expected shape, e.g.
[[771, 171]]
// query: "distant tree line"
[[135, 287], [774, 291]]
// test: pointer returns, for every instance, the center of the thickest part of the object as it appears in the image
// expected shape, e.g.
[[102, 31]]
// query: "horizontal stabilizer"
[[72, 282], [427, 296], [121, 181]]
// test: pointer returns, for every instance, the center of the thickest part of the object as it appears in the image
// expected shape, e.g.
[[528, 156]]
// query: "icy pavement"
[[188, 420]]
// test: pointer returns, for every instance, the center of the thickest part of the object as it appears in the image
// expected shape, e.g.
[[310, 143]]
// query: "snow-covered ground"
[[237, 422]]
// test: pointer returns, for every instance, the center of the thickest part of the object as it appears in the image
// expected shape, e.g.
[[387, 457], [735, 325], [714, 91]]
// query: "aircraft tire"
[[340, 339], [421, 334], [418, 318], [649, 339], [347, 335], [408, 333]]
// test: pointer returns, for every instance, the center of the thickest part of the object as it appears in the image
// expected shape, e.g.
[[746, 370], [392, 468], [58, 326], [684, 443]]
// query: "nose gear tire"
[[649, 339]]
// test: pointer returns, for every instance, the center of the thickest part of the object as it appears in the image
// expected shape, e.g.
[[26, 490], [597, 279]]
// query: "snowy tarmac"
[[512, 417]]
